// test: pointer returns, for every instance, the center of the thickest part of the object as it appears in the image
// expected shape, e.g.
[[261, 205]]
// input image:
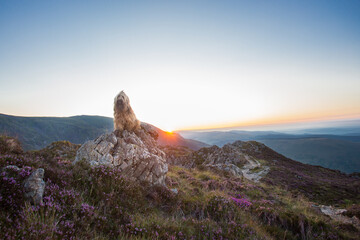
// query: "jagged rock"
[[150, 129], [233, 158], [231, 168], [34, 186], [131, 147], [136, 154], [337, 215]]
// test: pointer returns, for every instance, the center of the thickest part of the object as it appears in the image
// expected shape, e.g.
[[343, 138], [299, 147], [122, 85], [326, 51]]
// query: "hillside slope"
[[317, 183], [196, 203], [38, 132], [329, 153]]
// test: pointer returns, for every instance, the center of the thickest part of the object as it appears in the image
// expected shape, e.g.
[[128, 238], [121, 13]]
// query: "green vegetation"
[[84, 202], [38, 132]]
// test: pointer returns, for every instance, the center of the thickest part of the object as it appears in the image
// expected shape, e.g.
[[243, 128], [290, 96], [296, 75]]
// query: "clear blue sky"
[[184, 64]]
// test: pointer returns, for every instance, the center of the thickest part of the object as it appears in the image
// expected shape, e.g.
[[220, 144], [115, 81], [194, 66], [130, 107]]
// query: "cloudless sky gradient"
[[184, 64]]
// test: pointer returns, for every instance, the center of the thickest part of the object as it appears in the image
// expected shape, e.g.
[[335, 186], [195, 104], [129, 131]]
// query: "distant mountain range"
[[341, 152], [336, 151], [38, 132]]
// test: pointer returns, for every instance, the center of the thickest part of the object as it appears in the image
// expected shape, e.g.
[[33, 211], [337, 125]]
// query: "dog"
[[124, 116]]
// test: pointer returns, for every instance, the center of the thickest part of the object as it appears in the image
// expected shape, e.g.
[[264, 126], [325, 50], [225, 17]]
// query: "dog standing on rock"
[[124, 116]]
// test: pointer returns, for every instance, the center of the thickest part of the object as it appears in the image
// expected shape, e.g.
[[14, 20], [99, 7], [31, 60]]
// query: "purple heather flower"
[[241, 202]]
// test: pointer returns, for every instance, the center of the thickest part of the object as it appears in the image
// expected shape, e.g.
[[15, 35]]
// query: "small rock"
[[10, 167], [34, 186]]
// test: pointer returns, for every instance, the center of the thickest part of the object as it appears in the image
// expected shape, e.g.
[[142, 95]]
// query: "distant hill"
[[330, 153], [221, 138], [38, 132], [341, 152]]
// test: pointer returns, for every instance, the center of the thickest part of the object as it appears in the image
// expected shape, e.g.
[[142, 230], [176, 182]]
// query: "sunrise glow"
[[190, 66]]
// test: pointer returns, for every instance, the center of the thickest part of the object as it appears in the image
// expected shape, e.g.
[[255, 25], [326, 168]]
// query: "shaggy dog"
[[124, 116]]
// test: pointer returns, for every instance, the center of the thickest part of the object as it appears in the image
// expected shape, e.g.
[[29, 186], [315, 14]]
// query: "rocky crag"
[[132, 147], [230, 158]]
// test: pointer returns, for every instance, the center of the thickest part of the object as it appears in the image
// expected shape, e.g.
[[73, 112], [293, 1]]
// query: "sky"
[[183, 64]]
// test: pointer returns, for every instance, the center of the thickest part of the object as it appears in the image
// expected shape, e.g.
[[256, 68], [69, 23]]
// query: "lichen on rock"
[[34, 187]]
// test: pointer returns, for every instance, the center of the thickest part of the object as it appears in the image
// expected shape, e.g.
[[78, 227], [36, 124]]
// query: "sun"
[[168, 130]]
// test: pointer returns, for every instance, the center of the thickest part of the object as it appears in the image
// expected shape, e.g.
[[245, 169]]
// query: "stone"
[[231, 168], [174, 190], [34, 187], [11, 167], [139, 158], [232, 158]]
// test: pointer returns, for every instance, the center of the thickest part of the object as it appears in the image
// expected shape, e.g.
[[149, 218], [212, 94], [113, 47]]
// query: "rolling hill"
[[38, 132]]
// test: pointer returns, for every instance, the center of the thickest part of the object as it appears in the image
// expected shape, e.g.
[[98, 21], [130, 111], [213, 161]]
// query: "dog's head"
[[121, 102]]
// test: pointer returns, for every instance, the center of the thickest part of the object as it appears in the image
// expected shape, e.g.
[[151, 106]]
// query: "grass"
[[256, 169], [82, 202]]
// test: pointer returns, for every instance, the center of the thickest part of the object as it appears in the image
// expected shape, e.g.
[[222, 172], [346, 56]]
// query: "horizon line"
[[270, 122], [235, 126]]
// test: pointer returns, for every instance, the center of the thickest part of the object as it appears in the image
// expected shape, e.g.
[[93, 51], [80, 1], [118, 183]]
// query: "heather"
[[84, 202]]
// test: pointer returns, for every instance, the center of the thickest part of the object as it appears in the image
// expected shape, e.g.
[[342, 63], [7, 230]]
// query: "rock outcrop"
[[337, 214], [133, 150], [233, 158]]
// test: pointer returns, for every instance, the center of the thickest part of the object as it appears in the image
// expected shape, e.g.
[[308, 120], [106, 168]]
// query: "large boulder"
[[135, 153]]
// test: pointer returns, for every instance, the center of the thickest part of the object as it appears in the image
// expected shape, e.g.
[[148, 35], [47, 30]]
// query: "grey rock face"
[[231, 168], [233, 158], [135, 153], [34, 186]]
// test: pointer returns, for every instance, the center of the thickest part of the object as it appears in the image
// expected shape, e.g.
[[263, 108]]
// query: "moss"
[[256, 169]]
